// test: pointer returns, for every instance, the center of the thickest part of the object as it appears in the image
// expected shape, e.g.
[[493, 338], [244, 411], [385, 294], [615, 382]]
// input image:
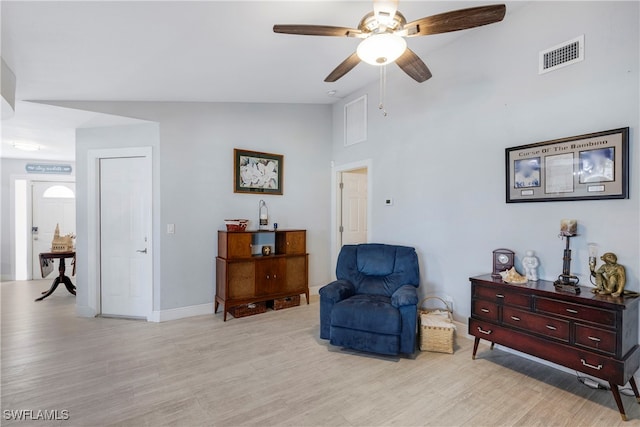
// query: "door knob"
[[144, 251]]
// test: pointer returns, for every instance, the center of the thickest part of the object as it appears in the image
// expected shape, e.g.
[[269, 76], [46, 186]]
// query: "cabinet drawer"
[[504, 295], [595, 338], [489, 332], [603, 367], [485, 310], [536, 323], [576, 311]]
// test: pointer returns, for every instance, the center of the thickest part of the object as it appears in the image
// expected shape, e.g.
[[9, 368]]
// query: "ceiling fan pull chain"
[[383, 89]]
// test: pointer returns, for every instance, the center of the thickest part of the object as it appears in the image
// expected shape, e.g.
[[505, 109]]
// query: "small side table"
[[46, 265]]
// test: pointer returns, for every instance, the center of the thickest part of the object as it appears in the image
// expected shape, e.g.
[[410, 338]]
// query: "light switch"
[[171, 229]]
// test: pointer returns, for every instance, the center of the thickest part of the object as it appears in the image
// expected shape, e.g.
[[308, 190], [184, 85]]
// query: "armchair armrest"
[[337, 291], [330, 295], [405, 295]]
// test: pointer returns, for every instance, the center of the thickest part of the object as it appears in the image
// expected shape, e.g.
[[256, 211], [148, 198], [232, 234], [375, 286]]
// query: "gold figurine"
[[610, 277]]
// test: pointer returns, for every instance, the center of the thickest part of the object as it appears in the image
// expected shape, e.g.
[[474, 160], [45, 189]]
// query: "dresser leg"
[[475, 348], [215, 307], [634, 387], [616, 396], [492, 345]]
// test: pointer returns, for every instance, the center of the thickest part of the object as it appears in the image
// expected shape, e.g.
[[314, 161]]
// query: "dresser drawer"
[[595, 338], [485, 309], [489, 332], [504, 295], [536, 323], [598, 366], [576, 311]]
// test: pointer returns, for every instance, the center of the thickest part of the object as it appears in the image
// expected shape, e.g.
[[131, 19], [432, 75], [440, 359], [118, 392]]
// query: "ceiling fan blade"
[[385, 10], [316, 30], [413, 66], [342, 69], [456, 20]]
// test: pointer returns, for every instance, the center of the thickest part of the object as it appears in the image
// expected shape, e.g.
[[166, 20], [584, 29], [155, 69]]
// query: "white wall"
[[11, 169], [195, 182], [440, 152]]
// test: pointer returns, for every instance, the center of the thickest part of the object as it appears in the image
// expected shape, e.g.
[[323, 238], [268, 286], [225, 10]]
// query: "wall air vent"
[[355, 121], [559, 56]]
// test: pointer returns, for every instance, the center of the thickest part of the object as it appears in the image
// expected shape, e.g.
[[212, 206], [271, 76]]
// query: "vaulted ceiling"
[[208, 51]]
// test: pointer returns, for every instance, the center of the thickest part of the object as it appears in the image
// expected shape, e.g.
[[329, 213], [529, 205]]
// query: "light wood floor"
[[264, 370]]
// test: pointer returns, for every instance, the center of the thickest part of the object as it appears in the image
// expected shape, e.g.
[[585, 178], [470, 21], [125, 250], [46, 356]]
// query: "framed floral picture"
[[257, 172]]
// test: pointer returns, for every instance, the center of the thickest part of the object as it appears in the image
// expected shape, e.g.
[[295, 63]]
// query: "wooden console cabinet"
[[596, 335], [244, 278]]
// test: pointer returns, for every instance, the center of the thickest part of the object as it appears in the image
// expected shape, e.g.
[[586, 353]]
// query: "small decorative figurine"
[[512, 276], [610, 277], [531, 264], [61, 244]]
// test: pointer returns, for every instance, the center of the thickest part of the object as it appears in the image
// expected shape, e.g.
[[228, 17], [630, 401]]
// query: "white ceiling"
[[210, 51], [51, 129]]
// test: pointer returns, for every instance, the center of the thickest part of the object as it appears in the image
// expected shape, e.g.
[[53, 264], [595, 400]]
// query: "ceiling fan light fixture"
[[381, 49]]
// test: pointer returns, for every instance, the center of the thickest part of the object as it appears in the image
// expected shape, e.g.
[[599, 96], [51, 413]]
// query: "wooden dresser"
[[245, 278], [596, 335]]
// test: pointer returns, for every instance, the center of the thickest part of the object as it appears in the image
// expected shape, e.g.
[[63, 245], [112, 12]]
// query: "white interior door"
[[126, 266], [354, 207], [52, 203]]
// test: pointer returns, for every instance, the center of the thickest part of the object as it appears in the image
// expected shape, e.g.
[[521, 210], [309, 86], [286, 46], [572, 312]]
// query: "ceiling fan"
[[383, 33]]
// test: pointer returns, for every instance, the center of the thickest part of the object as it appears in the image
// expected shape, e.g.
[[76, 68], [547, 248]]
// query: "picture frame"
[[257, 173], [593, 166]]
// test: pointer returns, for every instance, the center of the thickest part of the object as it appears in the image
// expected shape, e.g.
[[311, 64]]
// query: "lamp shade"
[[381, 49]]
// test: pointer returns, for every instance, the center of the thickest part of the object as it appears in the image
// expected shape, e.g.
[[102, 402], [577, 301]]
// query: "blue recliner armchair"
[[372, 305]]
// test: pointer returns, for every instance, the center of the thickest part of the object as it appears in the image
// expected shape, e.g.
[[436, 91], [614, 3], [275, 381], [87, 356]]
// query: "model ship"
[[62, 243]]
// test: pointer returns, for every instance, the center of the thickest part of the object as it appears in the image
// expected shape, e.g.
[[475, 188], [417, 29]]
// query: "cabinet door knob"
[[552, 328], [267, 276], [596, 339], [517, 319], [482, 331], [499, 296], [275, 277], [484, 310], [569, 310]]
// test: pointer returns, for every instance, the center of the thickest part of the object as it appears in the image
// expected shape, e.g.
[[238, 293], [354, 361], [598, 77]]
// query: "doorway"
[[53, 204], [351, 205], [120, 233], [352, 228]]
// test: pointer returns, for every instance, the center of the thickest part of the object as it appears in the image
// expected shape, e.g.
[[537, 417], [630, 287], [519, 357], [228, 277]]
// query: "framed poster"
[[256, 172], [584, 167]]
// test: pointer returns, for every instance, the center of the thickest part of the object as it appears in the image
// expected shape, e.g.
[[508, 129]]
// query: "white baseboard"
[[314, 290], [180, 312]]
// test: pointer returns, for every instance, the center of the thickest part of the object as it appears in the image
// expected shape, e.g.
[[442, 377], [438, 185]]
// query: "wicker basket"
[[437, 332], [248, 309], [287, 302]]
